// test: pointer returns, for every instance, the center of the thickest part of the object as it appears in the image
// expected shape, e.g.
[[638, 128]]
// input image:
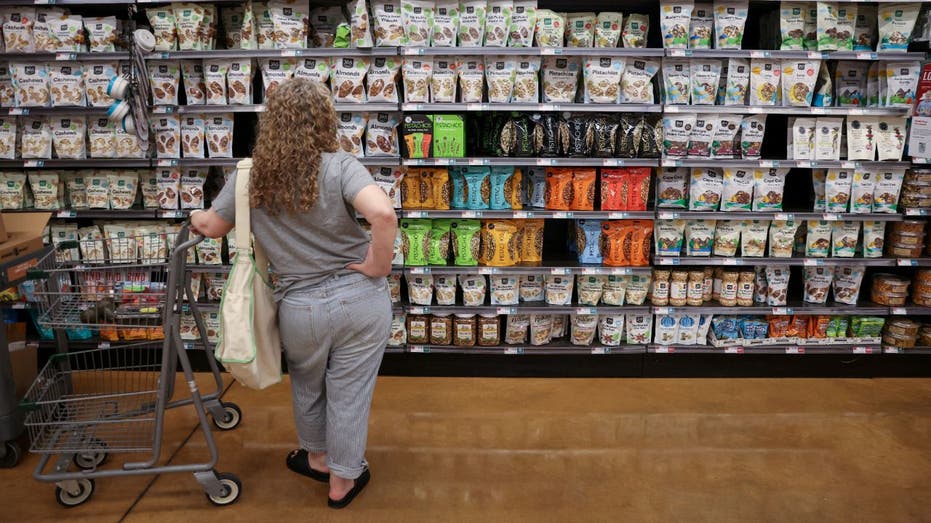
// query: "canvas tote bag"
[[250, 344]]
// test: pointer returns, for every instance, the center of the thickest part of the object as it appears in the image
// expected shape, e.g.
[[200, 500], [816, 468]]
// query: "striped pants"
[[334, 336]]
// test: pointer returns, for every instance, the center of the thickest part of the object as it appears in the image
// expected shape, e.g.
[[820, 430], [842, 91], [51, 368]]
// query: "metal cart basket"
[[86, 405]]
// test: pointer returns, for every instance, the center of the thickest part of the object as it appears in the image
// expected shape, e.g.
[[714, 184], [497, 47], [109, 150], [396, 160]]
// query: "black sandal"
[[297, 462], [360, 484]]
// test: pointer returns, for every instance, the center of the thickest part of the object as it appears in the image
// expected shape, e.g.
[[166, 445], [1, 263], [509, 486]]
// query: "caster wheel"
[[85, 491], [91, 459], [233, 417], [12, 456], [232, 487]]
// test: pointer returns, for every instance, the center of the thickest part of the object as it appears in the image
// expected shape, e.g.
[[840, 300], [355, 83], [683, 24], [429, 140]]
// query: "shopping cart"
[[87, 405]]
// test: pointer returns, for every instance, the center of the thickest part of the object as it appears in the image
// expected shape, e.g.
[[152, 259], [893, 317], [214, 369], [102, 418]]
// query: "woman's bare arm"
[[375, 206], [209, 224]]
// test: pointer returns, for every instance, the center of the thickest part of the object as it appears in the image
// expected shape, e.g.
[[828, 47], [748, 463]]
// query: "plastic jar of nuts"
[[679, 289], [489, 330], [924, 336], [441, 329], [464, 330], [729, 289], [696, 288], [889, 289], [902, 327], [659, 290]]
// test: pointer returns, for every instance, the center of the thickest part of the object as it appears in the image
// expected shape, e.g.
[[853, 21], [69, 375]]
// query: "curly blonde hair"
[[298, 125]]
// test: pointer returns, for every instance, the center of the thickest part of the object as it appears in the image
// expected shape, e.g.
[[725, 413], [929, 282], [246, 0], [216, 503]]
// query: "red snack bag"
[[614, 188], [559, 189], [583, 189]]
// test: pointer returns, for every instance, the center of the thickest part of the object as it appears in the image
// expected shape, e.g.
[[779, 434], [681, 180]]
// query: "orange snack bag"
[[798, 327], [641, 242], [778, 326], [617, 241], [440, 188], [818, 326], [614, 188], [559, 195], [411, 190], [583, 189]]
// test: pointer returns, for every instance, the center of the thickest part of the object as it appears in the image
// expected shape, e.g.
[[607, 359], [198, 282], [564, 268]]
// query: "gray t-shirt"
[[307, 248]]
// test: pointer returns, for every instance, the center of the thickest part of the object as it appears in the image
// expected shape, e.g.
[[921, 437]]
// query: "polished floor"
[[625, 450]]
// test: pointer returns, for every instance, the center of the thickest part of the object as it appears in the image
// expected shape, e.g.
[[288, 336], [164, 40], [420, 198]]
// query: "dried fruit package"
[[677, 81], [445, 23], [675, 18], [389, 29], [360, 25], [701, 27], [323, 23]]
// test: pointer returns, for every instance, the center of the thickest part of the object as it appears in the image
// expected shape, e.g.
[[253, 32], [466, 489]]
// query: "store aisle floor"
[[461, 449]]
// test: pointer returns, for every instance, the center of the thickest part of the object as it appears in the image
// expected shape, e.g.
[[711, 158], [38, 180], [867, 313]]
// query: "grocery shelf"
[[258, 108], [918, 351], [921, 161], [573, 107], [321, 52], [910, 309], [769, 109], [102, 214], [60, 110], [781, 216], [66, 56], [793, 54], [88, 163], [767, 260], [200, 268], [764, 164], [767, 349], [18, 305], [550, 162], [564, 349], [917, 212], [564, 268], [838, 309], [526, 308], [530, 213], [913, 262], [532, 51]]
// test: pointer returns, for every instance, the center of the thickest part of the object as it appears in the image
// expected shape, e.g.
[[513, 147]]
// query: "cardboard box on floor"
[[24, 238], [23, 358]]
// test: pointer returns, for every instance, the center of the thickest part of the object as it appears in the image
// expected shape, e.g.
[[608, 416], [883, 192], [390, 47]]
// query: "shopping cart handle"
[[184, 241]]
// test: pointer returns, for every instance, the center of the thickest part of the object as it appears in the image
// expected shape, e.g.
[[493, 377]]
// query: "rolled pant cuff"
[[312, 448], [345, 472]]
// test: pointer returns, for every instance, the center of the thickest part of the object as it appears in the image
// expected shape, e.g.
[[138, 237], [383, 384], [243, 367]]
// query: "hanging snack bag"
[[753, 238], [738, 189], [701, 27], [901, 83], [818, 238], [768, 189], [890, 140], [499, 75], [348, 76], [497, 22], [752, 131], [827, 26], [389, 29], [466, 241], [705, 75], [827, 138], [727, 237], [636, 30], [36, 138], [669, 236], [873, 234], [865, 31], [850, 83], [69, 135], [896, 22], [318, 70], [215, 79], [30, 84], [239, 82], [66, 84], [675, 18], [276, 71], [526, 80], [637, 81], [798, 81], [730, 16], [847, 280], [472, 79], [218, 134], [782, 238], [588, 241], [195, 86], [523, 20], [672, 188]]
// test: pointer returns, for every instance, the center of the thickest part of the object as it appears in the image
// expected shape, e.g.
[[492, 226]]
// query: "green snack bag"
[[466, 241], [343, 36], [415, 241], [439, 242], [448, 136]]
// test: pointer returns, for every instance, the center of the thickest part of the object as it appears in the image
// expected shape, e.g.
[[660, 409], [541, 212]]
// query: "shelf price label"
[[18, 111], [781, 311], [601, 350], [415, 214], [830, 217], [522, 215], [471, 214], [679, 52], [514, 350], [167, 162], [769, 164], [899, 311], [732, 261], [419, 310], [559, 271], [863, 350], [848, 165], [171, 214], [420, 349], [733, 350], [586, 310], [795, 350], [783, 217], [760, 54], [672, 163], [812, 262], [476, 107], [590, 271], [419, 270], [412, 107], [611, 162], [661, 310], [547, 107], [892, 350], [412, 51], [902, 262], [672, 109], [618, 215], [562, 215], [291, 52], [815, 55], [867, 56], [67, 214], [478, 161], [163, 109], [487, 270], [505, 311], [668, 215], [34, 163], [545, 161], [665, 350], [669, 261], [805, 164], [818, 110]]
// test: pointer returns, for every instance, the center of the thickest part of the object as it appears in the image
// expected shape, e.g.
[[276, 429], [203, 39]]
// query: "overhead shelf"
[[838, 309], [319, 52], [88, 163], [550, 162], [258, 108], [792, 54]]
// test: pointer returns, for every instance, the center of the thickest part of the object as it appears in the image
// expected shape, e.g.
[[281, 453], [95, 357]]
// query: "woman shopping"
[[334, 306]]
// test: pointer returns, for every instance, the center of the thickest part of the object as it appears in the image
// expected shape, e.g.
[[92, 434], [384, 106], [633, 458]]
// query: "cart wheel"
[[233, 417], [13, 454], [89, 460], [232, 487], [86, 490]]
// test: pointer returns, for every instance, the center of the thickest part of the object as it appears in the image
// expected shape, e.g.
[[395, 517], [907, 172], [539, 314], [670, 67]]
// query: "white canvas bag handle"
[[244, 244]]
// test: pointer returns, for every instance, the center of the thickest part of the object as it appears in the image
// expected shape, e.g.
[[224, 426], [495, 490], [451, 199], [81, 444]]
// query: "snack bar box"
[[22, 248]]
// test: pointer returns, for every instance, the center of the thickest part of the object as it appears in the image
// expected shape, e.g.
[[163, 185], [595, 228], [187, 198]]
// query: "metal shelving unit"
[[556, 349], [866, 309], [769, 109], [768, 164], [566, 268], [799, 349], [792, 55], [532, 51], [548, 162], [319, 52], [259, 108], [766, 260], [541, 107], [87, 163], [532, 213], [781, 216], [525, 308]]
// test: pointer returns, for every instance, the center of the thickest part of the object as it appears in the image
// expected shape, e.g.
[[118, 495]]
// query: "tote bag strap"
[[243, 233]]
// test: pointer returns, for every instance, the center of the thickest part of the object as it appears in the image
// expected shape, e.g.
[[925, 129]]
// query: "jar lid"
[[465, 316], [442, 315], [495, 316]]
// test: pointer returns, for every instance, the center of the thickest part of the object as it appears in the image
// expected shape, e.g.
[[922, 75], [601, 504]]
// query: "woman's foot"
[[306, 464], [343, 491]]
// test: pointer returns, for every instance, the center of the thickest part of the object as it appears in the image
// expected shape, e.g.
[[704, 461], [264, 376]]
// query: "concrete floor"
[[742, 450]]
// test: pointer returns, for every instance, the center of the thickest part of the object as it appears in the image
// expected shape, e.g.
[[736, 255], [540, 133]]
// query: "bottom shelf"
[[528, 349], [767, 349]]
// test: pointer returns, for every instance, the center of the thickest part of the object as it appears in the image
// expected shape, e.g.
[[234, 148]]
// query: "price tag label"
[[672, 163], [755, 110], [661, 310], [514, 350], [899, 311], [471, 214], [416, 214], [618, 215], [559, 271], [18, 111], [522, 215], [867, 56], [665, 350], [804, 164], [68, 57], [783, 217], [419, 270], [103, 345], [768, 164], [830, 217], [863, 350], [812, 262], [419, 310], [589, 271], [672, 109], [34, 163], [668, 215], [914, 212], [478, 161], [600, 350], [733, 350], [669, 261], [907, 263], [545, 161], [166, 162], [412, 107], [19, 305], [547, 107], [163, 109], [585, 310], [171, 214], [856, 112], [795, 350], [442, 161], [505, 311], [731, 261], [291, 52], [67, 214], [475, 107], [781, 311], [411, 51], [610, 162], [848, 165], [548, 51], [815, 55], [562, 215], [616, 271], [760, 54], [892, 350], [487, 270], [417, 349], [818, 110]]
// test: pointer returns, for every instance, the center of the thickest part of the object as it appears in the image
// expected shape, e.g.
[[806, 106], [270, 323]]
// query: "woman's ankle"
[[317, 461]]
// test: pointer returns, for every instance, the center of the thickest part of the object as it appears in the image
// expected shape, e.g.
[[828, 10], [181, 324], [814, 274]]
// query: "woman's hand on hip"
[[372, 267]]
